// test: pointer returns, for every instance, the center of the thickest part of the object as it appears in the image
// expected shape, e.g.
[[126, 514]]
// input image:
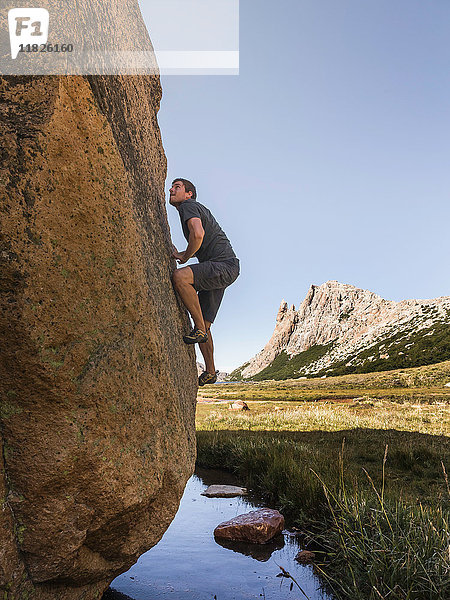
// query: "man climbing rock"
[[201, 286]]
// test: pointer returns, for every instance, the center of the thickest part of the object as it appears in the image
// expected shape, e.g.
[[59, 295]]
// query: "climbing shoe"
[[196, 336], [206, 377]]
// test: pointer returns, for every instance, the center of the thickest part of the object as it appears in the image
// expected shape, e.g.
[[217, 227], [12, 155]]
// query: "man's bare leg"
[[207, 349], [183, 281]]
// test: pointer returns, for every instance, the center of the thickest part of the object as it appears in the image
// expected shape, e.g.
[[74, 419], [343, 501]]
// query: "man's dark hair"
[[188, 186]]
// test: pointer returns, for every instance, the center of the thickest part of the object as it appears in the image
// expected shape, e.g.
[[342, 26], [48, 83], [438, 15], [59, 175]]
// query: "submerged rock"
[[98, 389], [224, 491], [256, 527]]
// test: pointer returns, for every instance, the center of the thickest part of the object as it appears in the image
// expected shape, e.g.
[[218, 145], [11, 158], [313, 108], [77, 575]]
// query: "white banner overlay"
[[197, 60], [84, 37]]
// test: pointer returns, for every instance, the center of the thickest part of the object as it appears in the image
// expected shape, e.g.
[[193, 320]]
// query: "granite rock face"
[[349, 320], [97, 387]]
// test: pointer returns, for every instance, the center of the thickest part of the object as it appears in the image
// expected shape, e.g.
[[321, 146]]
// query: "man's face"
[[178, 193]]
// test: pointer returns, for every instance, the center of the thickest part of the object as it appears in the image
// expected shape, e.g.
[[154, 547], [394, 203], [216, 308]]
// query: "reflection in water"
[[261, 552], [214, 476], [188, 564]]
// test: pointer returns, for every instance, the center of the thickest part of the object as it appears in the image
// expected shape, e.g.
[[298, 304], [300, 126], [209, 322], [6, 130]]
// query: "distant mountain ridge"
[[341, 329]]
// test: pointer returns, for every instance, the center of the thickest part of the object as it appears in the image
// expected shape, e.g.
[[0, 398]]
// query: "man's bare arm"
[[196, 235]]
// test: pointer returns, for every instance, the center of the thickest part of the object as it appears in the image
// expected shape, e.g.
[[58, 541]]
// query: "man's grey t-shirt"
[[215, 246]]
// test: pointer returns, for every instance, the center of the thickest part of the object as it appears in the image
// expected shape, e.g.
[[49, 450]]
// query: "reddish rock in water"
[[305, 556], [97, 387], [256, 527]]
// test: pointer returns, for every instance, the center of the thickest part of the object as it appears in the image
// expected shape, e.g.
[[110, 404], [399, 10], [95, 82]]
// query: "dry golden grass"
[[368, 413]]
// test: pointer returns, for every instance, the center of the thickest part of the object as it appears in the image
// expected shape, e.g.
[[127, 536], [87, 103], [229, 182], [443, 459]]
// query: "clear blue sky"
[[326, 158]]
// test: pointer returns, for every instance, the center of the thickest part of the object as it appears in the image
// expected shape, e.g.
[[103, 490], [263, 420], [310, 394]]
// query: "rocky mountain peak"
[[284, 311], [347, 317]]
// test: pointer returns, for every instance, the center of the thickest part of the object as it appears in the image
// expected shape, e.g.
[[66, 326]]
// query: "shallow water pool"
[[188, 564]]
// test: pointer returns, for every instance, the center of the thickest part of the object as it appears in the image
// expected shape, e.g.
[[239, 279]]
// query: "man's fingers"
[[179, 256]]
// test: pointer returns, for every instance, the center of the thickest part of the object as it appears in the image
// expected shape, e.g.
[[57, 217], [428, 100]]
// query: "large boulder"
[[97, 387]]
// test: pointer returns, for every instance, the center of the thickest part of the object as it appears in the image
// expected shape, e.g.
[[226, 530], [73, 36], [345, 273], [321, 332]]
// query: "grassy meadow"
[[358, 463]]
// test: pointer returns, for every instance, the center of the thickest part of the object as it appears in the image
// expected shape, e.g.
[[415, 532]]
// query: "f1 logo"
[[27, 26]]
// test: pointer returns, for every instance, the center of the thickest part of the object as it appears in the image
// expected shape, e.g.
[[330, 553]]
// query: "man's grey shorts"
[[210, 280]]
